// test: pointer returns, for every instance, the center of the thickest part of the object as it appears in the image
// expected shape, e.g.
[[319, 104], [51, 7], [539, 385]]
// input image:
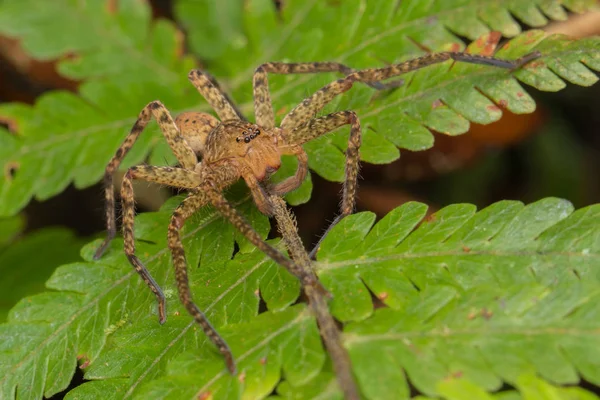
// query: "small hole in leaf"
[[262, 304], [10, 170]]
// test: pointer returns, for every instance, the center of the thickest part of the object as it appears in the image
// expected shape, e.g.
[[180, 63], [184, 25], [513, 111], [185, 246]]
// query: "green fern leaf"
[[106, 44], [452, 388], [26, 264], [10, 228], [127, 62], [482, 295]]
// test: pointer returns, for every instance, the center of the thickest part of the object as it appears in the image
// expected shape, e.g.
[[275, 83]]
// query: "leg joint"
[[155, 104]]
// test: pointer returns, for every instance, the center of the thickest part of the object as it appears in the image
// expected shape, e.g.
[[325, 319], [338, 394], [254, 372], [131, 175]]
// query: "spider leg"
[[217, 199], [379, 74], [321, 126], [164, 175], [229, 100], [306, 110], [330, 333], [184, 153], [190, 205], [263, 108], [214, 95]]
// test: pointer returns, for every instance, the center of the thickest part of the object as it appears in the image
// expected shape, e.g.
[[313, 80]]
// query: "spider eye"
[[237, 139], [257, 132], [247, 139]]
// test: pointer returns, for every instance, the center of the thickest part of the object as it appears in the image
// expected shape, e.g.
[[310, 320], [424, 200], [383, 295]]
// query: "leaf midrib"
[[447, 332], [328, 266]]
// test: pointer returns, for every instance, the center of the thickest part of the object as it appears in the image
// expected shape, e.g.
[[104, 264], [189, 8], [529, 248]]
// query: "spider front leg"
[[183, 152], [190, 205], [321, 126], [310, 106], [263, 107], [217, 199], [175, 177]]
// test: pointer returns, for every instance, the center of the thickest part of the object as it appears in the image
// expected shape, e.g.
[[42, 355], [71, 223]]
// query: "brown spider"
[[234, 148]]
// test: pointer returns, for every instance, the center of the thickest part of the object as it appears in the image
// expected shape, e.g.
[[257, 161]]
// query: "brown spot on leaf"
[[176, 313], [454, 375], [263, 361], [466, 249], [493, 108], [486, 314], [436, 104], [86, 360], [205, 395], [531, 36], [503, 103], [283, 110], [10, 124], [382, 295], [455, 47], [520, 94], [179, 44], [491, 43], [431, 218], [534, 64], [112, 6], [242, 377]]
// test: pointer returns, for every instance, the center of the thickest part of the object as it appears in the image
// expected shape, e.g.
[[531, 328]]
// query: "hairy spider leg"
[[328, 123], [378, 74], [185, 155], [263, 107], [214, 96], [175, 177], [307, 109], [216, 84], [189, 206], [236, 219], [330, 333]]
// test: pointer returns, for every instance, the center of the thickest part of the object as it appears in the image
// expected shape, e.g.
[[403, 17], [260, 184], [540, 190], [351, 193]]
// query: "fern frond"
[[127, 62], [27, 263], [468, 293]]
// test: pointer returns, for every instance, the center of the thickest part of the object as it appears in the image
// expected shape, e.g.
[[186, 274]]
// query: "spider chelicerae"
[[231, 148]]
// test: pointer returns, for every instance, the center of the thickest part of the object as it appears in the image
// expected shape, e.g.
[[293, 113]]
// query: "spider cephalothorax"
[[213, 155]]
